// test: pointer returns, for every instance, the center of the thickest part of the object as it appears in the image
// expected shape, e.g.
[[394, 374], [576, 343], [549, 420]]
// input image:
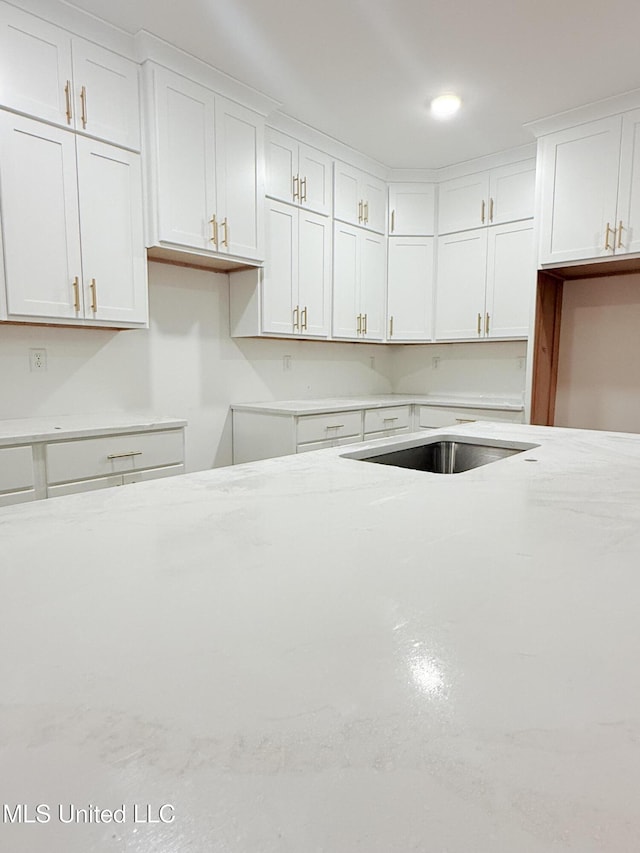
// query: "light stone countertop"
[[314, 653], [342, 404], [56, 427]]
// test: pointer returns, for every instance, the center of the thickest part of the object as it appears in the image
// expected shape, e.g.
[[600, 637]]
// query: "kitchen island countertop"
[[314, 653]]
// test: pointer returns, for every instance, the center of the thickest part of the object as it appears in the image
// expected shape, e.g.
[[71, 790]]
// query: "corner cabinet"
[[206, 175], [590, 200], [83, 200], [485, 281], [410, 289]]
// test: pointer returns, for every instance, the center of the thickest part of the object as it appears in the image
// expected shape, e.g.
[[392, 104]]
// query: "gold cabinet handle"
[[393, 221], [225, 225], [94, 295], [486, 325], [366, 213], [360, 211], [490, 210], [214, 230], [296, 190], [303, 189], [296, 317], [384, 420], [83, 101], [76, 293], [122, 455], [335, 426], [482, 209], [619, 230], [391, 326], [606, 237], [303, 322], [364, 324], [359, 321], [479, 324], [67, 97]]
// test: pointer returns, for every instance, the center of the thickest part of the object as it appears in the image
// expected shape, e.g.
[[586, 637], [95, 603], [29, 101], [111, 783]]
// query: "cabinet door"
[[35, 66], [462, 263], [106, 94], [281, 165], [314, 273], [628, 223], [462, 203], [374, 197], [186, 162], [410, 289], [314, 172], [346, 270], [579, 191], [240, 179], [412, 210], [510, 280], [113, 254], [347, 201], [279, 284], [40, 218], [373, 281], [511, 192]]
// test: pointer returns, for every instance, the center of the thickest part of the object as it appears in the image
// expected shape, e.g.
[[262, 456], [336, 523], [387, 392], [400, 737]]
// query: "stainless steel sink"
[[442, 454]]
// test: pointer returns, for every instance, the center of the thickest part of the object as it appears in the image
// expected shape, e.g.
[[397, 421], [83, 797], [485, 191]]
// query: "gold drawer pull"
[[479, 324], [619, 230], [360, 211], [76, 293], [606, 237], [296, 317], [296, 192], [335, 426], [225, 225], [94, 295], [303, 189], [364, 324], [390, 419], [214, 230], [391, 326], [122, 455], [83, 99], [486, 325], [303, 318], [490, 210], [393, 221], [359, 321], [366, 213], [482, 209], [67, 97]]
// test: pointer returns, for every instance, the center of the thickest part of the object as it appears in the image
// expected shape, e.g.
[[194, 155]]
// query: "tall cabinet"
[[70, 173]]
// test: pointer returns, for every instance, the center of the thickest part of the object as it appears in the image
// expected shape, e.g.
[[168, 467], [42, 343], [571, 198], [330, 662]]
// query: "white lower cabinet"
[[432, 417], [17, 475], [296, 282], [359, 279], [81, 201], [484, 282], [51, 466], [410, 289]]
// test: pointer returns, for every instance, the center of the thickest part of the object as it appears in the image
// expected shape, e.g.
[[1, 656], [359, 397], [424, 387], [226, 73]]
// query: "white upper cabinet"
[[359, 198], [111, 233], [505, 194], [207, 181], [411, 210], [590, 200], [297, 173], [72, 227], [47, 73], [484, 284], [410, 289], [296, 285], [359, 279], [39, 201]]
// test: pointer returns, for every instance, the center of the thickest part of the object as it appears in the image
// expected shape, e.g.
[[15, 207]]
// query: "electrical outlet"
[[435, 361], [286, 362], [521, 361], [37, 360]]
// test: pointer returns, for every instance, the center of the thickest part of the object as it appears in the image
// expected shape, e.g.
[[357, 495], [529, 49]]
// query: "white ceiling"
[[363, 71]]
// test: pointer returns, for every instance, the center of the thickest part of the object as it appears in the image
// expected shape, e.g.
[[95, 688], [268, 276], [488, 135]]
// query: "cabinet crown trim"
[[588, 112]]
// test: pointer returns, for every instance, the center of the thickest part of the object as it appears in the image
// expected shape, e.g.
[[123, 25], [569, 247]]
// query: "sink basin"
[[442, 454]]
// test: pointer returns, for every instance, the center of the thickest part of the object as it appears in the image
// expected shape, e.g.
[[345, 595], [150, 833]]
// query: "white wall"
[[185, 365], [599, 356], [485, 367]]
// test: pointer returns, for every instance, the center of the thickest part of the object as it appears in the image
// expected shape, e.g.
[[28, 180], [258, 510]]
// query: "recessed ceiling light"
[[444, 106]]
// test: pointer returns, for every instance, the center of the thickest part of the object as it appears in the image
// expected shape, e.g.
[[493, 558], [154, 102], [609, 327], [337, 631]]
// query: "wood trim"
[[545, 348]]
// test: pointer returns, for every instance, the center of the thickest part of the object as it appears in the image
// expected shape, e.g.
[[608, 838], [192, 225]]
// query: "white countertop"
[[26, 430], [343, 404], [314, 653]]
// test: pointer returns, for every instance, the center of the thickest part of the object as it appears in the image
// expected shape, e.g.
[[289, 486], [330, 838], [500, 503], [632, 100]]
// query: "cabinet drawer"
[[16, 469], [431, 417], [94, 457], [331, 426], [320, 445], [382, 420]]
